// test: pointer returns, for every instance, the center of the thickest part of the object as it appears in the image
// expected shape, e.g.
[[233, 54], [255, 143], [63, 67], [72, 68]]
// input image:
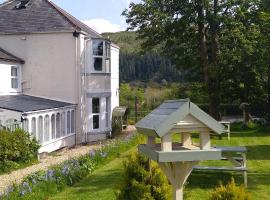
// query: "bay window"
[[101, 53]]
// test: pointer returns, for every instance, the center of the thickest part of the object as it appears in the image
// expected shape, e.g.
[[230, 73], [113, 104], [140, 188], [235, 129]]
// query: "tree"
[[189, 33]]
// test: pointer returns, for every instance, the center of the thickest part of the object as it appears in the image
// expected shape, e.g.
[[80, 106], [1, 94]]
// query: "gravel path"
[[54, 159]]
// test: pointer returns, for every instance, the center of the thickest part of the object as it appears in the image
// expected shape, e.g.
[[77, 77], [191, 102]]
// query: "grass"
[[103, 183]]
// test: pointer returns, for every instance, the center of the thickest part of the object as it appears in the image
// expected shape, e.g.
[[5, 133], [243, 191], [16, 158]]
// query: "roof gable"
[[161, 120], [39, 16], [6, 56]]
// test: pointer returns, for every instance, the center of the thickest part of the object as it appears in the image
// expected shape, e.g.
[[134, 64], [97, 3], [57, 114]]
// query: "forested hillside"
[[138, 66]]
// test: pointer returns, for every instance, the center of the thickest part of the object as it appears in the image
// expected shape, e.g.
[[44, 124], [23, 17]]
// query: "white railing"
[[11, 126]]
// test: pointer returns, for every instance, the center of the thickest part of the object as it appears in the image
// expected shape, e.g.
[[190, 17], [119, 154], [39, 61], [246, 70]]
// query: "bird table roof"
[[165, 117]]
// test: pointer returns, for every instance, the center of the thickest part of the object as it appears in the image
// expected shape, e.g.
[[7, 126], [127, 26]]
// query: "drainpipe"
[[76, 35]]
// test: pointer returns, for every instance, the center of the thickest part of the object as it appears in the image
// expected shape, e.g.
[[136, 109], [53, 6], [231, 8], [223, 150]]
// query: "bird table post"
[[177, 159]]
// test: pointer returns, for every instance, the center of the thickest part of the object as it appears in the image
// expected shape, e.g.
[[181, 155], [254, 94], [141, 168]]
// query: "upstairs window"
[[14, 77], [101, 51]]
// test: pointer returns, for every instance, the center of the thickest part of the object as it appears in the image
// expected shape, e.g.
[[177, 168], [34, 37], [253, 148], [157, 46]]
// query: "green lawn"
[[103, 183]]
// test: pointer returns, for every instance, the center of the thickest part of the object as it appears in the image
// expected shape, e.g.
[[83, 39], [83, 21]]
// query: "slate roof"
[[25, 103], [161, 120], [39, 16], [6, 56]]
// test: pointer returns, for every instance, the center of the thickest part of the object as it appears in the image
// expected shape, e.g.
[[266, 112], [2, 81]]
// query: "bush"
[[140, 183], [230, 192], [16, 147]]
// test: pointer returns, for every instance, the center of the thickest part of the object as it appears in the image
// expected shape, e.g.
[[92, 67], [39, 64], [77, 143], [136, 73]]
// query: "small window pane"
[[40, 129], [33, 127], [63, 124], [108, 49], [14, 71], [72, 121], [68, 122], [58, 126], [96, 122], [97, 47], [95, 105], [108, 65], [47, 128], [14, 83], [98, 64], [53, 126]]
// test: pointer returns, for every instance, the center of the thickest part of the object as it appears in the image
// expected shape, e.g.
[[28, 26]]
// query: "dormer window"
[[14, 77], [101, 56]]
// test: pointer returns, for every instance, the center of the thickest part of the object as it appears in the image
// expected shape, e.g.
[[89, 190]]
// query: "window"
[[47, 128], [96, 112], [68, 123], [34, 127], [63, 124], [53, 136], [40, 129], [14, 77], [58, 126], [107, 111], [72, 121], [101, 51], [25, 124]]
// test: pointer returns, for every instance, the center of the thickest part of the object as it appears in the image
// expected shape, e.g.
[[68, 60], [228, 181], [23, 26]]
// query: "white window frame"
[[18, 78], [106, 56], [96, 114]]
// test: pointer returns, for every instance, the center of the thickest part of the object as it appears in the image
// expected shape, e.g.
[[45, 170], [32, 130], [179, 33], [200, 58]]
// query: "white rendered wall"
[[114, 77], [5, 79], [49, 70]]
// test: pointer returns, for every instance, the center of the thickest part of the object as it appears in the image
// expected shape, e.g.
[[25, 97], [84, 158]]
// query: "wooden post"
[[186, 139], [205, 142], [166, 143], [136, 108]]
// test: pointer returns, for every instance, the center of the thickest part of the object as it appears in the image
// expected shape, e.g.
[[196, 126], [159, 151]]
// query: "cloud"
[[102, 25]]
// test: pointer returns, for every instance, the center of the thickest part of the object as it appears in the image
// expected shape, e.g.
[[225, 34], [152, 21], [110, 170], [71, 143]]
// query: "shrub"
[[230, 192], [142, 183], [16, 147]]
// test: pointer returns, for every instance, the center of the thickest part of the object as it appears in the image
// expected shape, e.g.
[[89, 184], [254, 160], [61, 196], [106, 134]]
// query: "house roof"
[[161, 120], [25, 103], [6, 56], [39, 16]]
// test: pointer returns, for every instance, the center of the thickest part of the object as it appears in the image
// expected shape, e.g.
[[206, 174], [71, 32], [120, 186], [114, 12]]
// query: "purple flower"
[[92, 153], [9, 189], [22, 193], [103, 154], [26, 186], [65, 170], [34, 181], [49, 174]]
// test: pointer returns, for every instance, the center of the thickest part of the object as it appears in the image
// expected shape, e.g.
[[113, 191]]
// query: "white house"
[[57, 76]]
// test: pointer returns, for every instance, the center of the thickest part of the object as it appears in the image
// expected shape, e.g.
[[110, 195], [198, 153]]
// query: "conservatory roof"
[[25, 103], [165, 117]]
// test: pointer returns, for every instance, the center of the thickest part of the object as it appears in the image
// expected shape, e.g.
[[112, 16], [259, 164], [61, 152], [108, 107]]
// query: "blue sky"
[[102, 15]]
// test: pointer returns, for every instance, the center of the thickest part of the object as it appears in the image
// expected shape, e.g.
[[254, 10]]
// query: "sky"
[[101, 15]]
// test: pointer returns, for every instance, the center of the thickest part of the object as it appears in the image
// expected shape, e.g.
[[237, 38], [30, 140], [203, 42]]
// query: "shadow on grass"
[[100, 182], [258, 152]]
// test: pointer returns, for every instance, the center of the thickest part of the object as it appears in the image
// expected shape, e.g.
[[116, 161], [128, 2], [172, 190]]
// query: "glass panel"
[[108, 65], [108, 49], [25, 125], [68, 122], [97, 47], [14, 71], [107, 111], [33, 127], [47, 128], [53, 126], [95, 105], [14, 83], [96, 122], [98, 64], [58, 126], [63, 124], [72, 121], [40, 129]]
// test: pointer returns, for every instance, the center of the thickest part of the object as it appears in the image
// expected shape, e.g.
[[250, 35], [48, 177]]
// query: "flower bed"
[[44, 184]]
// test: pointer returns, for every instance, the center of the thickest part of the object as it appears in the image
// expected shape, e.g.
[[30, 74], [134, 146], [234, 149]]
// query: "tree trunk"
[[209, 64], [268, 93]]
